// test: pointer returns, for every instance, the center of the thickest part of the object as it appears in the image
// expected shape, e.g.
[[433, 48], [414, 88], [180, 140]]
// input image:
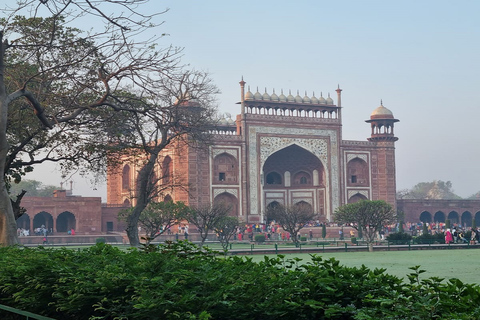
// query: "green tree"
[[367, 215], [324, 231], [226, 228], [33, 188], [291, 218], [158, 217], [437, 189]]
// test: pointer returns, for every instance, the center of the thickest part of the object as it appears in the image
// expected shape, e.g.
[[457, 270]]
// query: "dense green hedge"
[[179, 282]]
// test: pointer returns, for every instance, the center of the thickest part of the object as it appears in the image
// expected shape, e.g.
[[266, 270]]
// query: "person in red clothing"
[[448, 236]]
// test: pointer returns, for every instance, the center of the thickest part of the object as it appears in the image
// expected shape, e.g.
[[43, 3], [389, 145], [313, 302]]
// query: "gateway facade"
[[280, 149]]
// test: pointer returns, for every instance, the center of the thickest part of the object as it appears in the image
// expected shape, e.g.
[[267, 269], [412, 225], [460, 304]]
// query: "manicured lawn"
[[461, 264]]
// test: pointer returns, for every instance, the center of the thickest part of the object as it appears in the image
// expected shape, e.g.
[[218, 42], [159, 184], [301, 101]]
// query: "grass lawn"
[[461, 264]]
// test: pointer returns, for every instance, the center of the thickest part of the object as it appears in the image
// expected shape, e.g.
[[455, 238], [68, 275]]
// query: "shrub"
[[100, 240], [303, 239], [430, 238], [399, 238], [178, 281], [259, 238], [353, 240]]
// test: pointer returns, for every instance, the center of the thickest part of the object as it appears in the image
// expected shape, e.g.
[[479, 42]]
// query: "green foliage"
[[474, 223], [353, 240], [226, 228], [324, 231], [34, 188], [427, 238], [399, 238], [179, 281], [259, 238], [366, 215], [303, 239], [437, 189], [100, 240]]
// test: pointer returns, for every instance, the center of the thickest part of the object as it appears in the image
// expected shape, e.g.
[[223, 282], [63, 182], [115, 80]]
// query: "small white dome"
[[329, 100], [249, 95], [274, 97], [314, 99], [322, 100], [266, 96], [290, 98], [298, 99], [306, 99], [258, 95]]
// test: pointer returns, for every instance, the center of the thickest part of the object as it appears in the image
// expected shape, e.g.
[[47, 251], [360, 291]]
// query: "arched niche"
[[126, 178], [356, 197], [167, 170], [230, 201], [225, 169], [357, 173]]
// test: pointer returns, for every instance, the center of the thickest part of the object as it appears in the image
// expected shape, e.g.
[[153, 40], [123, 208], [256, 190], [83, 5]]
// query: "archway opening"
[[66, 221], [42, 220], [439, 217], [466, 219], [453, 217], [24, 222], [426, 217]]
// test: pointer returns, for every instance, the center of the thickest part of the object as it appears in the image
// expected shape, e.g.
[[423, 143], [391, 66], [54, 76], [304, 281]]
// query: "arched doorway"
[[43, 219], [24, 222], [477, 217], [453, 217], [66, 221], [439, 217], [426, 217], [230, 200], [466, 219]]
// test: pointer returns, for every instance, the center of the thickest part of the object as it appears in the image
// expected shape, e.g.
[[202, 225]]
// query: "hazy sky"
[[420, 57]]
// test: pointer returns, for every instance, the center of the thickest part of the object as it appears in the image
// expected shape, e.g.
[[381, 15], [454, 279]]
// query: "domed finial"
[[381, 102]]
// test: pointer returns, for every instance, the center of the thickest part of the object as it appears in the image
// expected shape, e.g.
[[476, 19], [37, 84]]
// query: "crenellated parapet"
[[289, 105]]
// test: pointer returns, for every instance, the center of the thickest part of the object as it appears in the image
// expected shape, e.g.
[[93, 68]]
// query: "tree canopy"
[[368, 216], [437, 189]]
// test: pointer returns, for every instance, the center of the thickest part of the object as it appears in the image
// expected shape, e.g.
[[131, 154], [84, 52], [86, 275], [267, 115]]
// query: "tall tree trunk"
[[8, 226], [143, 197]]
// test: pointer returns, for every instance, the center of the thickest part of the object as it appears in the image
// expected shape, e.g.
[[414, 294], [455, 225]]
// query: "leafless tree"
[[291, 218], [206, 218]]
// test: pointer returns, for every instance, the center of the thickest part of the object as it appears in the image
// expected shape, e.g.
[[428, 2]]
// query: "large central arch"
[[294, 174]]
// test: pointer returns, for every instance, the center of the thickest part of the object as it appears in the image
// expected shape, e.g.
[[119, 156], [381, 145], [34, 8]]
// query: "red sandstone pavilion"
[[280, 149]]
